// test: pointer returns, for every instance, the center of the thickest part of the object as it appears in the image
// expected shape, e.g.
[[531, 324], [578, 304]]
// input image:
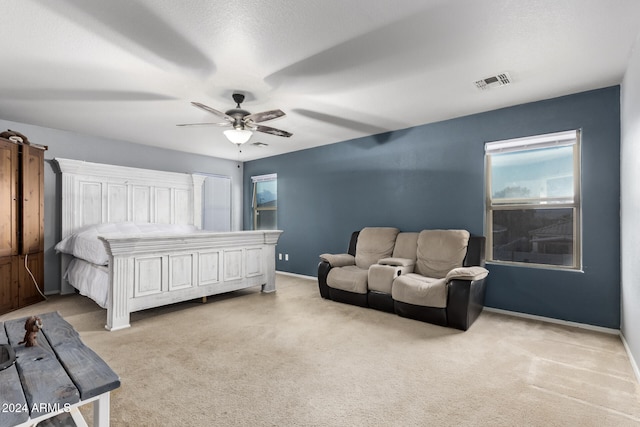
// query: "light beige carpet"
[[293, 359]]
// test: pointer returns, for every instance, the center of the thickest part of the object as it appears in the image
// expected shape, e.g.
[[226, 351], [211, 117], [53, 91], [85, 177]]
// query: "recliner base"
[[348, 297], [437, 316], [380, 301]]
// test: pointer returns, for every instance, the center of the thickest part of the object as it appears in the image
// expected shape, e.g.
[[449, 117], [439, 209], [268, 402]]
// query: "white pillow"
[[85, 243]]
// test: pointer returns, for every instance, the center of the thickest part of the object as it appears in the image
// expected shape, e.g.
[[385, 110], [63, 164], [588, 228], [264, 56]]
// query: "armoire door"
[[8, 198], [32, 200], [28, 293], [8, 284]]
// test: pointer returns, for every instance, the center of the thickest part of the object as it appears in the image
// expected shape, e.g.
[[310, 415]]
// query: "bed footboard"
[[152, 270]]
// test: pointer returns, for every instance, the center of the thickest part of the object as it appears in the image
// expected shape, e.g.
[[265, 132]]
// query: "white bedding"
[[88, 271], [89, 279], [85, 243]]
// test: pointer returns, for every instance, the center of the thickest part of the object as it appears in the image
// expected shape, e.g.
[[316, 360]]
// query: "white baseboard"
[[611, 331], [634, 365], [509, 313], [301, 276], [601, 329], [556, 321]]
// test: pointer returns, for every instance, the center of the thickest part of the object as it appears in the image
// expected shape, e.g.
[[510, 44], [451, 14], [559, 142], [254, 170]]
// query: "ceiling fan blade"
[[205, 124], [264, 116], [272, 131], [211, 110]]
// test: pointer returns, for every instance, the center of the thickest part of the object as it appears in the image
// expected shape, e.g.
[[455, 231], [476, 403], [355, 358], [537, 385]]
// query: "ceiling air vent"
[[494, 81]]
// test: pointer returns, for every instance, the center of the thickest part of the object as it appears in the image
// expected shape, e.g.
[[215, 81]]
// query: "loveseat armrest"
[[327, 262], [467, 273], [338, 260], [324, 266], [398, 262], [380, 276], [323, 272], [465, 301]]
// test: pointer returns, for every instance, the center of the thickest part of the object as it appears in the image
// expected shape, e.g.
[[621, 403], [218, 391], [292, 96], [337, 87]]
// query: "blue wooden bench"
[[53, 378]]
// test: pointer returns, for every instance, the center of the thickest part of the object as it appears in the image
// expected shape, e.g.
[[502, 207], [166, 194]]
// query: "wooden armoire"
[[21, 224]]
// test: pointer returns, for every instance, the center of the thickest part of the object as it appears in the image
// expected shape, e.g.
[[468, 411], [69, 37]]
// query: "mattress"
[[89, 279]]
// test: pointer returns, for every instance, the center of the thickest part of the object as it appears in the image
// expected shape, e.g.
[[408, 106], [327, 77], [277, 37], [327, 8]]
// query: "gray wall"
[[432, 176], [630, 199], [92, 149]]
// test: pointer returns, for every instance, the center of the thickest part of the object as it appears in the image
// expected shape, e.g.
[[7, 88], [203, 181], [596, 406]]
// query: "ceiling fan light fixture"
[[238, 136], [243, 122]]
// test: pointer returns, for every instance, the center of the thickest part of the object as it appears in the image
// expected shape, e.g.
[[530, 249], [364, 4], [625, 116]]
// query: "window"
[[265, 202], [533, 200]]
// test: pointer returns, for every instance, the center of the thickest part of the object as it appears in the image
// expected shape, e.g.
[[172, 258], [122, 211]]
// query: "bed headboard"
[[94, 193]]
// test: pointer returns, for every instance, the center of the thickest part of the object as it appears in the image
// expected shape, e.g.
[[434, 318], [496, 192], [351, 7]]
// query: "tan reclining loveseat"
[[435, 276]]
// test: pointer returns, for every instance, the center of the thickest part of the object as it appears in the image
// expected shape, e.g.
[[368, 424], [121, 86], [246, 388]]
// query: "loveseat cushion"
[[349, 278], [373, 244], [420, 290], [406, 245], [440, 251]]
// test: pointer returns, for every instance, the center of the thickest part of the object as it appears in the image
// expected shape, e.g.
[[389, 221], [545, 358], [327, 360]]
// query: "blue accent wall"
[[432, 176]]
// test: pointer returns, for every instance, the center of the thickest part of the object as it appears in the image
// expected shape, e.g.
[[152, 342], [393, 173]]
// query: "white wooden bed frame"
[[148, 271]]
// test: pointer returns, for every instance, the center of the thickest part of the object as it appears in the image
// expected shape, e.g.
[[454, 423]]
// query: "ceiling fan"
[[242, 121]]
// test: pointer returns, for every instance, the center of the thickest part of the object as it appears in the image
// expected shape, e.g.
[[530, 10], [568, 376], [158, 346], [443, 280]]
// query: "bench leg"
[[101, 410]]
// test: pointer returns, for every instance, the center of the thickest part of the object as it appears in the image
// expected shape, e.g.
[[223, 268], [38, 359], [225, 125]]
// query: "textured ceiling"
[[339, 69]]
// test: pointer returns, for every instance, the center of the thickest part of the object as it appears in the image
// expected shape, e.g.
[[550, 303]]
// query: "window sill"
[[535, 266]]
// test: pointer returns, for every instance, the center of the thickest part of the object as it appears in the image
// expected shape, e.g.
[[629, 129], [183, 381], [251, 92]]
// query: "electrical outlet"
[[286, 257], [280, 257]]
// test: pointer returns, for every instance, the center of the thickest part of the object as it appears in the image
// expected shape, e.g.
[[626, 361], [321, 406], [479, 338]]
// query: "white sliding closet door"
[[217, 203]]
